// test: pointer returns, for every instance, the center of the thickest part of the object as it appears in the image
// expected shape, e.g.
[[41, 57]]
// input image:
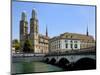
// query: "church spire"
[[33, 22], [23, 17], [34, 14], [87, 33], [46, 31]]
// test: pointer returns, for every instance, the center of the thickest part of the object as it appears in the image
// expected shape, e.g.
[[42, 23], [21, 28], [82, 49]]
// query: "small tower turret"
[[46, 32]]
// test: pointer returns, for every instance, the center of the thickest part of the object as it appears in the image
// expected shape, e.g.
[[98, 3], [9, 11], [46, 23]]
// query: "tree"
[[16, 44], [27, 46]]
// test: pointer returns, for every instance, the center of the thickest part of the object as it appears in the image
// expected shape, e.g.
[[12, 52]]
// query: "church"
[[39, 42], [43, 44]]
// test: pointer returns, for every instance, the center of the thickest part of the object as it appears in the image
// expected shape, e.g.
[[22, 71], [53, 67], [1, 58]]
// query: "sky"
[[59, 18]]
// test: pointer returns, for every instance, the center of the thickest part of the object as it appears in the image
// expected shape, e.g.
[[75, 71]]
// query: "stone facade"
[[39, 42], [70, 41]]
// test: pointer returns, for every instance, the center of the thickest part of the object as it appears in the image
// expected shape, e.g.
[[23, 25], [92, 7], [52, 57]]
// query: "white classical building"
[[61, 45], [70, 41]]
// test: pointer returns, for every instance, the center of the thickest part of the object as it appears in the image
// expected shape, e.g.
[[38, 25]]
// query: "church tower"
[[46, 32], [87, 33], [23, 29], [34, 31]]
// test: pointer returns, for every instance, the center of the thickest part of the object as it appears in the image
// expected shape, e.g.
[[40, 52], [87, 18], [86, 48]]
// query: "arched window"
[[75, 46], [71, 44], [66, 45], [59, 45]]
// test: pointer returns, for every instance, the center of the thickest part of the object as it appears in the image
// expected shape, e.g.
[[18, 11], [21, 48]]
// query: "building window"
[[75, 41], [66, 45], [59, 41], [55, 46], [59, 45], [66, 41], [75, 45], [71, 36]]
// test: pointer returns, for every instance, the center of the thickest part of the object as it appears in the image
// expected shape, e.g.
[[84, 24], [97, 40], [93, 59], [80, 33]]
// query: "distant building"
[[13, 49], [39, 42], [70, 41]]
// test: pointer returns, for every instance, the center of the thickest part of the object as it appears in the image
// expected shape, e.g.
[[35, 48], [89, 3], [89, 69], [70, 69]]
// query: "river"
[[33, 67]]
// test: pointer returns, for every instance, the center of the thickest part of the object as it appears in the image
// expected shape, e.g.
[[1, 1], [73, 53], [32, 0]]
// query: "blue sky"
[[59, 18]]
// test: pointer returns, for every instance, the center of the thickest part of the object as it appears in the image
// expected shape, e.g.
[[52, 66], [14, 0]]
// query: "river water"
[[33, 67]]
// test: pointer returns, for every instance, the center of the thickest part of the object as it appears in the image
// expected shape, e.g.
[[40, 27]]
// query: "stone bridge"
[[78, 59]]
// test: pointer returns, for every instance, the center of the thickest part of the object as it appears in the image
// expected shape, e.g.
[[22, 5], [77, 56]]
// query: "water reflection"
[[32, 67]]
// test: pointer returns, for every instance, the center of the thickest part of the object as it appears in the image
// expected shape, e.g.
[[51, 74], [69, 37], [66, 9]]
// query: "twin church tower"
[[39, 41]]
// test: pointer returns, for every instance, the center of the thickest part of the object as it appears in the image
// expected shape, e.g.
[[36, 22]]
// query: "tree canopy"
[[27, 46], [16, 44]]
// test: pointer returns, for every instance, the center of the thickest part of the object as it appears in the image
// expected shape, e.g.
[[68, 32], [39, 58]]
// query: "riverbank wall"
[[27, 57]]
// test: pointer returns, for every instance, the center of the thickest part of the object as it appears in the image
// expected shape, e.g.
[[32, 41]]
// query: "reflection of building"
[[39, 42], [71, 41]]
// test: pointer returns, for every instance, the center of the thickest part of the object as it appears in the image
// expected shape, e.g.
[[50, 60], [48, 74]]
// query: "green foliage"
[[16, 44], [27, 47]]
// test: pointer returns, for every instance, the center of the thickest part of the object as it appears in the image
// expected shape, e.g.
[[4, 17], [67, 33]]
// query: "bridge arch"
[[46, 60], [63, 62], [52, 61], [85, 63]]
